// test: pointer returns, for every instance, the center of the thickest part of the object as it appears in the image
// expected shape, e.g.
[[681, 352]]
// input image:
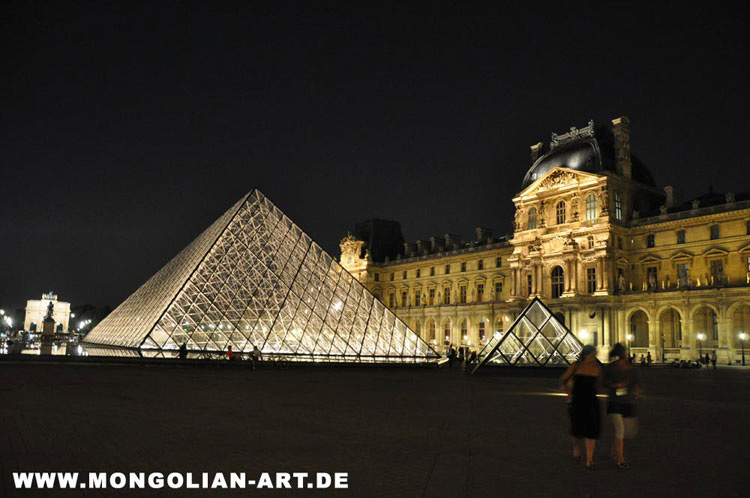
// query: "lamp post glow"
[[584, 335], [743, 336], [701, 336], [629, 337]]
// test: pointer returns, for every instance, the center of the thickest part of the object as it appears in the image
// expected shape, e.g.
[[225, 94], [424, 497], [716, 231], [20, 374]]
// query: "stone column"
[[574, 276], [724, 353]]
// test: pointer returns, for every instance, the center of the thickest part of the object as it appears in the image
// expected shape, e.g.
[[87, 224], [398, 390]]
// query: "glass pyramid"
[[536, 338], [254, 278]]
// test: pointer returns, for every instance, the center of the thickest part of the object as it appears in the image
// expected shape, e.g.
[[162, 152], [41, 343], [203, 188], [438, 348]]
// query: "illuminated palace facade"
[[616, 258]]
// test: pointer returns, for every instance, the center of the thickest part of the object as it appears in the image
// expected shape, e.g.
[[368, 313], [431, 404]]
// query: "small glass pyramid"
[[254, 278], [536, 338]]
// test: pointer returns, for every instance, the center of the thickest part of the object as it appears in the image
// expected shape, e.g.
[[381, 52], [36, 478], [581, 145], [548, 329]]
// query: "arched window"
[[432, 330], [447, 331], [561, 212], [481, 330], [464, 330], [591, 207], [418, 328], [558, 281], [532, 219]]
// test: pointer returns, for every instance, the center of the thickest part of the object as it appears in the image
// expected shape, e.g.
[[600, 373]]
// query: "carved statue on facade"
[[695, 204], [729, 197], [574, 207], [621, 283], [517, 224], [540, 216], [652, 281], [603, 201], [663, 209]]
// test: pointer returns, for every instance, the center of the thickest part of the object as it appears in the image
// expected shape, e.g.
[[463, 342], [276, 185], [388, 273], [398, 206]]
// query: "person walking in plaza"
[[183, 351], [713, 358], [648, 359], [580, 382], [623, 386]]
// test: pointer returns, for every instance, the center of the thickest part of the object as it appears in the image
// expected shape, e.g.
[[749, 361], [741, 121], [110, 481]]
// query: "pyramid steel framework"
[[536, 338], [254, 278]]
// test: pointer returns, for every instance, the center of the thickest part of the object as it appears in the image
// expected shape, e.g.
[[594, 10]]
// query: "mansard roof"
[[588, 149]]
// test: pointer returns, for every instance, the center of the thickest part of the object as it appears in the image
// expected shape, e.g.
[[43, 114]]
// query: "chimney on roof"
[[674, 196], [536, 151], [483, 234], [452, 242], [621, 131], [436, 244]]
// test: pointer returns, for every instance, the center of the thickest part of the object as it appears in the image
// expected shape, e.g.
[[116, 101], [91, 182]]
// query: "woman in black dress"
[[581, 383]]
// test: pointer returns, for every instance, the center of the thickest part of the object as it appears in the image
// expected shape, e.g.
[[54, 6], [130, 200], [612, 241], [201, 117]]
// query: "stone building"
[[36, 310], [617, 258]]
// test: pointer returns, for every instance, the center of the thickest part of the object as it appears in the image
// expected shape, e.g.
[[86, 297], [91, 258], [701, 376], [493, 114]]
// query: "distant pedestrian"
[[183, 351], [229, 354], [648, 359], [623, 386], [580, 382], [713, 358], [451, 356], [643, 360]]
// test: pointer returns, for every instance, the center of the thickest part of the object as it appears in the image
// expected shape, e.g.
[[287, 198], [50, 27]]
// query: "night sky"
[[128, 128]]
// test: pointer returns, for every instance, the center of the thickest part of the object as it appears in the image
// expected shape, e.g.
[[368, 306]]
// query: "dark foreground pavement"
[[397, 432]]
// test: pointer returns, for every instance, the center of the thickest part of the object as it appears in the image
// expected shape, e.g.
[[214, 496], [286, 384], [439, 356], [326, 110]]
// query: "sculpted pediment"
[[558, 178]]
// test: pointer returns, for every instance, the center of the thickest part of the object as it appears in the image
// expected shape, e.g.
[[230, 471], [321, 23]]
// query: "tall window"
[[377, 277], [683, 275], [650, 242], [560, 212], [417, 298], [591, 207], [480, 264], [618, 205], [499, 289], [432, 330], [529, 284], [417, 328], [392, 300], [462, 294], [447, 269], [447, 295], [532, 219], [463, 266], [404, 276], [717, 272], [558, 281], [591, 279], [590, 240], [432, 271], [432, 297], [392, 276], [480, 292], [447, 331], [464, 330], [404, 298], [714, 232], [419, 272], [681, 236], [498, 261], [481, 330]]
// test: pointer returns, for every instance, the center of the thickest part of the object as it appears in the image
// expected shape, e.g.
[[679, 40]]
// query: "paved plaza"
[[396, 431]]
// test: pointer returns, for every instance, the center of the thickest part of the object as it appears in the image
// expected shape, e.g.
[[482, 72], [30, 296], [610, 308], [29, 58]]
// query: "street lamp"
[[701, 337], [584, 335], [743, 336], [629, 337]]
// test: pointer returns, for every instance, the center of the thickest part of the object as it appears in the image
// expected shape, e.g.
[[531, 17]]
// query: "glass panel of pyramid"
[[536, 338], [255, 279]]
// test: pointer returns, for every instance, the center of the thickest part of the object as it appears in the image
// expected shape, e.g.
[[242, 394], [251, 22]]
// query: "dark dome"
[[591, 154]]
